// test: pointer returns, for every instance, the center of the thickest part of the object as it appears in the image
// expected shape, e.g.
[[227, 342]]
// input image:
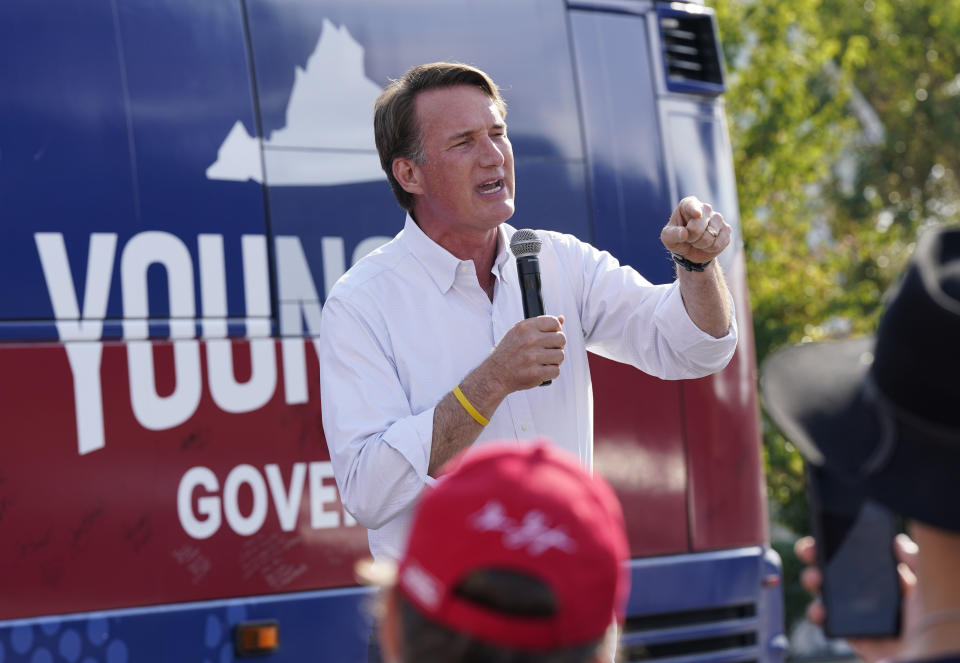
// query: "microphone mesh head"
[[524, 243]]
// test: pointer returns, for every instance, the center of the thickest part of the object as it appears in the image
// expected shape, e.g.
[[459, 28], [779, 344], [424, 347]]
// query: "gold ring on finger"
[[713, 232]]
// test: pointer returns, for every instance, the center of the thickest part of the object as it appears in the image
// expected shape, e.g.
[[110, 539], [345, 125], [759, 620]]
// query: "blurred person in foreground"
[[516, 555], [884, 413]]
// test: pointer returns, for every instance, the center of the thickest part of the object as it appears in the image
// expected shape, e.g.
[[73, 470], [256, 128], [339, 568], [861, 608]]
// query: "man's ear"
[[407, 173]]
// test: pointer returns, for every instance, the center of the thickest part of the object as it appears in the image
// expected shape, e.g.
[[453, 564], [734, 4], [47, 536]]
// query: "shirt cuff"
[[675, 323], [412, 438]]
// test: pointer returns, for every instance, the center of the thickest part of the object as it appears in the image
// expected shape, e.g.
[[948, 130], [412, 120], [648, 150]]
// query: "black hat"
[[884, 412]]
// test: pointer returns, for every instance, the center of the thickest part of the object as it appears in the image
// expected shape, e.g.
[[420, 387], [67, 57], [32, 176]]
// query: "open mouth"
[[493, 186]]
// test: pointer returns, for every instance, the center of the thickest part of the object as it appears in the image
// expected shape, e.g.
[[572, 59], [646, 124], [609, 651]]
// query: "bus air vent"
[[729, 633], [691, 53]]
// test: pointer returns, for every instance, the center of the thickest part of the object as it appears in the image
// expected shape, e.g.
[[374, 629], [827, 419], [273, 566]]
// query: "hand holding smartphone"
[[855, 537]]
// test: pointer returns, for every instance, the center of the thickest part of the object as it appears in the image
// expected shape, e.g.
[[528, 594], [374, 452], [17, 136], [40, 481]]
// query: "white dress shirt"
[[408, 322]]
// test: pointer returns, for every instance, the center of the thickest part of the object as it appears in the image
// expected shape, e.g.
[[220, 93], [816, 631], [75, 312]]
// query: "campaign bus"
[[181, 184]]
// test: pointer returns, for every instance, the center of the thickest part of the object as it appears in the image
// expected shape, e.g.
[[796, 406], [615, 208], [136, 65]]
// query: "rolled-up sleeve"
[[628, 319], [699, 352], [379, 449]]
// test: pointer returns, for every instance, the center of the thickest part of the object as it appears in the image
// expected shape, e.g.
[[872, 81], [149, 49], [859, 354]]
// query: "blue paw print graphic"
[[49, 642], [217, 634]]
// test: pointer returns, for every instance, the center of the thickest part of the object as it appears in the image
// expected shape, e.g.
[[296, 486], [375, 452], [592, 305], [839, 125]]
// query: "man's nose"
[[492, 153]]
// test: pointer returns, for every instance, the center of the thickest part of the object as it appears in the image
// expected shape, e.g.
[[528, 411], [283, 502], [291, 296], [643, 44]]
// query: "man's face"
[[466, 181]]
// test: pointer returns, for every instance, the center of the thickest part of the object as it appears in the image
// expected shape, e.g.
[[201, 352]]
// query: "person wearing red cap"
[[883, 414], [515, 555]]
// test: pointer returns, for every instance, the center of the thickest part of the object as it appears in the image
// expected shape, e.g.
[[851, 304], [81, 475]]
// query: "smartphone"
[[861, 587]]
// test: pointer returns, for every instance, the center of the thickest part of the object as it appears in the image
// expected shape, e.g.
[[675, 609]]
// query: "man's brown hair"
[[394, 118], [526, 598]]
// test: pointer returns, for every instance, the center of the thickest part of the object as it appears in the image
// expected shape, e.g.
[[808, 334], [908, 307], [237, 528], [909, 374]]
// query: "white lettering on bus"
[[155, 412], [203, 519], [82, 334], [229, 394]]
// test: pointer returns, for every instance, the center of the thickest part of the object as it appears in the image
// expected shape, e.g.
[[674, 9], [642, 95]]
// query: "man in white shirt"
[[421, 351]]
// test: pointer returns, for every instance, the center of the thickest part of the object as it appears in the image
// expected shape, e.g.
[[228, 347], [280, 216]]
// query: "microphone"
[[525, 245]]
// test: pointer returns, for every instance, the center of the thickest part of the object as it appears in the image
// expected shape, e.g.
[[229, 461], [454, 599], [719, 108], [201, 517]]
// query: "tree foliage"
[[845, 122]]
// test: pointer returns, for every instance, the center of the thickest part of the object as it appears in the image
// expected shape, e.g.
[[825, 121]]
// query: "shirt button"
[[523, 427]]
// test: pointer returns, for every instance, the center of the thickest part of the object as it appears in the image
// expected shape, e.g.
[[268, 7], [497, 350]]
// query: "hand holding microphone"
[[531, 352]]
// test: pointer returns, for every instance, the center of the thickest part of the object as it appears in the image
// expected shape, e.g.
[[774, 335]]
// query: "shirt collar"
[[503, 241], [439, 263]]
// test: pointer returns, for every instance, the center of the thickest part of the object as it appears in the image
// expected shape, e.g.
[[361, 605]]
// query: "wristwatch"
[[689, 265]]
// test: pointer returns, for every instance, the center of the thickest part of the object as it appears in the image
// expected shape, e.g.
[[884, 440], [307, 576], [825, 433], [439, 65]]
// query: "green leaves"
[[845, 123]]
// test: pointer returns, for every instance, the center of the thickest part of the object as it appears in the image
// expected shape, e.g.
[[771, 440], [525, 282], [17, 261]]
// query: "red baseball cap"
[[527, 508]]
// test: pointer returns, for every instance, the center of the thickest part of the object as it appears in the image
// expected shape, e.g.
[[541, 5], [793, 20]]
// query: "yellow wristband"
[[468, 406]]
